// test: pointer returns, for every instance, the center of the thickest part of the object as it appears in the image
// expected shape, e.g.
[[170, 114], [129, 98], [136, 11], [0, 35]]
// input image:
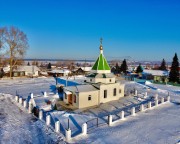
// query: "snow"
[[17, 126], [156, 72], [159, 125], [147, 82]]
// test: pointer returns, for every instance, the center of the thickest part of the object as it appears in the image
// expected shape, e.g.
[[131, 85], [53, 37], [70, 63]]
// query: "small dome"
[[101, 47]]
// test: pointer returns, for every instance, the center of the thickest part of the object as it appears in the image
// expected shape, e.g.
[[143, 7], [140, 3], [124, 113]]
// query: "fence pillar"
[[136, 93], [25, 103], [145, 95], [168, 98], [156, 102], [156, 96], [68, 134], [40, 114], [30, 108], [57, 126], [32, 96], [84, 128], [110, 120], [17, 98], [133, 111], [142, 107], [162, 100], [149, 104], [45, 94], [122, 114], [20, 101], [48, 119]]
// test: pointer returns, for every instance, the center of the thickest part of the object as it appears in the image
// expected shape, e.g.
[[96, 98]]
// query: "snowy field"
[[23, 87], [160, 125]]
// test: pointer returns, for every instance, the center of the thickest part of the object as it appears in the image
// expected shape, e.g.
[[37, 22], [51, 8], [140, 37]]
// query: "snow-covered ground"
[[19, 127], [160, 125]]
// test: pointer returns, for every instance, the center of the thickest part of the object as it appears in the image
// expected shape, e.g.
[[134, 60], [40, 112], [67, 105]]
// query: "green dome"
[[101, 63]]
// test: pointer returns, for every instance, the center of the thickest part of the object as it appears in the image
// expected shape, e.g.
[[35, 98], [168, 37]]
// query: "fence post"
[[109, 120], [133, 111], [122, 115], [30, 107], [168, 98], [32, 96], [156, 102], [68, 134], [149, 104], [162, 100], [48, 119], [142, 107], [17, 98], [57, 126], [136, 93], [84, 129], [145, 95], [20, 101], [156, 96], [25, 103], [45, 94], [40, 114]]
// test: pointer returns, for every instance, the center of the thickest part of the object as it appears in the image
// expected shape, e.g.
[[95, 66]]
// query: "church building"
[[100, 87]]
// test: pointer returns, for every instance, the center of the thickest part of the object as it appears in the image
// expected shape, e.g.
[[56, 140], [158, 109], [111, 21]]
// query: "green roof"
[[101, 63]]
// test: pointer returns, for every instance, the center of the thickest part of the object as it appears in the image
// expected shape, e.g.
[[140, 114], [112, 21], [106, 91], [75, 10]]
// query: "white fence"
[[23, 103]]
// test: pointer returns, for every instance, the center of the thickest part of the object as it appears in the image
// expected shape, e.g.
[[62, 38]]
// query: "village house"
[[26, 71], [59, 73], [100, 87], [156, 75], [81, 70], [21, 71]]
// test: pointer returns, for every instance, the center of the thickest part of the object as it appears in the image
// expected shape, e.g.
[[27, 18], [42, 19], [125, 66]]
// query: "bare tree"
[[14, 44]]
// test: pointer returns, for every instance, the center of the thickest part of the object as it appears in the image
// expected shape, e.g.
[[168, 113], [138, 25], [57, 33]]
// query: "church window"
[[105, 93], [89, 97], [119, 90], [114, 92]]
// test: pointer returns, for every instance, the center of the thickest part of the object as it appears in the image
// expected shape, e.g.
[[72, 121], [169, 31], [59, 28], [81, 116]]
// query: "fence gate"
[[96, 122], [92, 124]]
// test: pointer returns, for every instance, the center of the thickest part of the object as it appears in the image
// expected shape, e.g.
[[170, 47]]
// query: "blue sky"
[[71, 29]]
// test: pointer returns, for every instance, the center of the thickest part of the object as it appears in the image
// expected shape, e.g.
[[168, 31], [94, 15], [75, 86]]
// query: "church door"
[[70, 98]]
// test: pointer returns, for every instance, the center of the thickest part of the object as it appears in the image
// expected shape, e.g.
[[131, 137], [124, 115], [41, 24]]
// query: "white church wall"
[[65, 98], [83, 99], [105, 80], [76, 104], [110, 92]]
